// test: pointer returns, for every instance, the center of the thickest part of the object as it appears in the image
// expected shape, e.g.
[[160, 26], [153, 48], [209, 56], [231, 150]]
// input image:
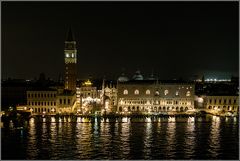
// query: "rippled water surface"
[[161, 139]]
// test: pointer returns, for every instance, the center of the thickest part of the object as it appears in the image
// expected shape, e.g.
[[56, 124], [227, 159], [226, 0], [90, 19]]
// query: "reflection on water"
[[214, 138], [190, 138], [148, 139], [157, 138], [32, 144], [170, 136]]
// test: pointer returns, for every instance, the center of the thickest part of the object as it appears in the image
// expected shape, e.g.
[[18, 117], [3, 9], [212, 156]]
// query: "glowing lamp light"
[[200, 100]]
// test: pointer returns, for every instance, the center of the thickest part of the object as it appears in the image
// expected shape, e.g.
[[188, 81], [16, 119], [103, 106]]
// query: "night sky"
[[170, 39]]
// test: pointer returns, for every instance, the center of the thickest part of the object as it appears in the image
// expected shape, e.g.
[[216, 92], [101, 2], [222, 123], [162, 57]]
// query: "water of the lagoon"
[[188, 138]]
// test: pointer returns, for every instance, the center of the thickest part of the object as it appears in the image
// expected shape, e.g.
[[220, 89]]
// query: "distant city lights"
[[213, 80]]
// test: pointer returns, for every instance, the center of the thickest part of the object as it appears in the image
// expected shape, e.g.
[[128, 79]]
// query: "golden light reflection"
[[215, 136], [85, 120], [226, 119], [172, 119], [53, 119], [83, 138], [125, 119], [53, 129], [171, 133], [79, 119], [190, 137], [148, 138], [216, 119], [32, 140], [31, 122], [125, 138], [191, 119], [235, 120], [148, 119]]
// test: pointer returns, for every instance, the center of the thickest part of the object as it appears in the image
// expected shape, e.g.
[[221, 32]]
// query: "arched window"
[[125, 92], [136, 91], [147, 91], [181, 109], [188, 93], [166, 92], [156, 93]]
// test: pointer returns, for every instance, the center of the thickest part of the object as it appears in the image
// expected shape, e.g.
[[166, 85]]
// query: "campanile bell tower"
[[70, 57]]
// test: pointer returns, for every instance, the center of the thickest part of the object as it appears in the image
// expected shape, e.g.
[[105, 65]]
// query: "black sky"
[[172, 39]]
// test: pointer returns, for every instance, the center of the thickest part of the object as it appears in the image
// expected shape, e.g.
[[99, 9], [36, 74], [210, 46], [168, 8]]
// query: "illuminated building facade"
[[222, 105], [109, 97], [42, 101], [149, 96], [70, 54], [66, 102], [50, 101], [88, 97]]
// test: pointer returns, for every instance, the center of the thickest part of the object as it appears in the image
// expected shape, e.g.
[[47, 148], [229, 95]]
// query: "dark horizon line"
[[111, 78]]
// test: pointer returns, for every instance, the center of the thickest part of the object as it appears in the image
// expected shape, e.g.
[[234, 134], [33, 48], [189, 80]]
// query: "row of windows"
[[166, 92], [63, 101], [41, 95], [224, 107], [155, 108], [42, 103], [48, 110], [223, 101], [156, 102]]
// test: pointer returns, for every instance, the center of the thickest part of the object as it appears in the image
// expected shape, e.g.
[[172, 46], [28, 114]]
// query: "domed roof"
[[123, 78], [138, 76], [152, 77]]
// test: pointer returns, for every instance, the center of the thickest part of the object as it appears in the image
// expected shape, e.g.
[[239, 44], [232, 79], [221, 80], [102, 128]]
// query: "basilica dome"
[[152, 77], [123, 78], [137, 76]]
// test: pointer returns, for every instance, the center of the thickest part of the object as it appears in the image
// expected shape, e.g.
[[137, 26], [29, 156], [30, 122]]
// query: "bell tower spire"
[[70, 59], [70, 36]]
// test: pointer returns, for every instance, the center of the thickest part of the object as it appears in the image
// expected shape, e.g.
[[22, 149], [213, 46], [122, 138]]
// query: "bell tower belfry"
[[70, 59]]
